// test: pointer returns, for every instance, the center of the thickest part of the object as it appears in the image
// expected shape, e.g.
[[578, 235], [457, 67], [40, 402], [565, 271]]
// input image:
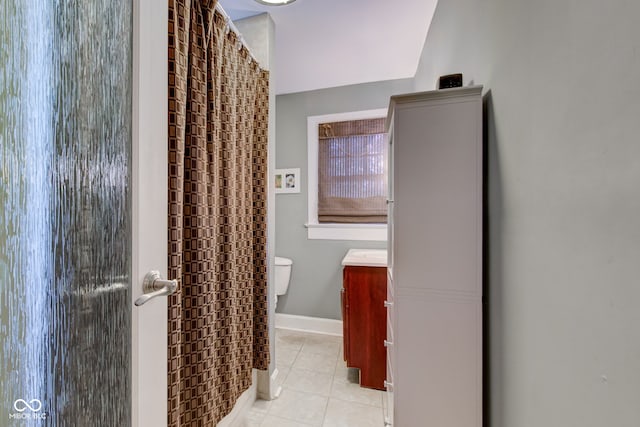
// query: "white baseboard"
[[309, 324]]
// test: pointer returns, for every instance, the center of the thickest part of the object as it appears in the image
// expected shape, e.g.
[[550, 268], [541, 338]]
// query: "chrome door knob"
[[154, 286]]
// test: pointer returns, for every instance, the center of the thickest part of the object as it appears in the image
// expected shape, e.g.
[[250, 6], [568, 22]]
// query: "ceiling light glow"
[[275, 2]]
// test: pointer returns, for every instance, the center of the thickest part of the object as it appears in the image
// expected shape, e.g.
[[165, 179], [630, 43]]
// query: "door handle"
[[154, 286]]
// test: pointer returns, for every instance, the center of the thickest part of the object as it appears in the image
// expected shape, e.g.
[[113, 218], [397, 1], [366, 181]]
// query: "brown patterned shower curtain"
[[218, 110]]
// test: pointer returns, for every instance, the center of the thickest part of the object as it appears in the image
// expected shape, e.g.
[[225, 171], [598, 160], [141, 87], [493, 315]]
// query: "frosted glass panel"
[[65, 212]]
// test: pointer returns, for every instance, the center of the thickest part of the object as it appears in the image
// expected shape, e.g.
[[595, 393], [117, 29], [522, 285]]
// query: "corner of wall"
[[259, 34]]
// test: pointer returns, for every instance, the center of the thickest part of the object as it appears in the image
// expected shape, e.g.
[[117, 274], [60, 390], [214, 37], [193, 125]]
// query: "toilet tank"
[[283, 274]]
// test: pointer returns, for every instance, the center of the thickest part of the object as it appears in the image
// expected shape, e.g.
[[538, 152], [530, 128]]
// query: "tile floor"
[[317, 387]]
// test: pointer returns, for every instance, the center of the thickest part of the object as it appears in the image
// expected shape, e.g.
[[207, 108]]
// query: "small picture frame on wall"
[[287, 180]]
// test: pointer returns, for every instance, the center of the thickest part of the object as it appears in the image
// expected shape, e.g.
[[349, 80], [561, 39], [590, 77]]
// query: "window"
[[352, 172], [347, 184]]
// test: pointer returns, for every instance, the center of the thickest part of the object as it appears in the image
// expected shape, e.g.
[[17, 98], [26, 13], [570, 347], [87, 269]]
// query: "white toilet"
[[283, 275]]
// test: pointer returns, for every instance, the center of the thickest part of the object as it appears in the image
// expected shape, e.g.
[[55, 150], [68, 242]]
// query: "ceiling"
[[329, 43]]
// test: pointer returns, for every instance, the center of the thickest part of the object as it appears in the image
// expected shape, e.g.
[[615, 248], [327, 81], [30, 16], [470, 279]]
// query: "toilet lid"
[[283, 261]]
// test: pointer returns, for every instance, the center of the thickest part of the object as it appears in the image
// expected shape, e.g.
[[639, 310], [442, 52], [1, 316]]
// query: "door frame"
[[149, 210]]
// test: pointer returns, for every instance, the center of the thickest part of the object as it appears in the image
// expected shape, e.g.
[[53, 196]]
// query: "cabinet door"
[[438, 370], [437, 207], [365, 292]]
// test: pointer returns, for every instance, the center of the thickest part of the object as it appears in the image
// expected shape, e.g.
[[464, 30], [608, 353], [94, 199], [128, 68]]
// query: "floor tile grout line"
[[324, 414], [333, 379]]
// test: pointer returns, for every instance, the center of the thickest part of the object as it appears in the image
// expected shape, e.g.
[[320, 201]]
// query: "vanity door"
[[364, 317]]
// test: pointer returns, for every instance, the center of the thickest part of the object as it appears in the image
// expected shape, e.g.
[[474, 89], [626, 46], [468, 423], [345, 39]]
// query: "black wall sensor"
[[449, 81]]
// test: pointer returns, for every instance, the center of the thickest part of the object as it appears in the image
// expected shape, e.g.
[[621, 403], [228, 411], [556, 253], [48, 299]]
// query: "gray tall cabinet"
[[434, 292]]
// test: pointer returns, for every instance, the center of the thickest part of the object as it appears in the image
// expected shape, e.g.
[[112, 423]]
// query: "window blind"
[[352, 172]]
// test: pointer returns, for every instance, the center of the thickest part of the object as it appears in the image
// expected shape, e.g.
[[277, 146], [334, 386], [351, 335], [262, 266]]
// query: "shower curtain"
[[218, 111]]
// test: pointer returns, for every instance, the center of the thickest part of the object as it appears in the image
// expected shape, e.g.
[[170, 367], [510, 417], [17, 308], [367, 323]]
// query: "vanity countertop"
[[366, 257]]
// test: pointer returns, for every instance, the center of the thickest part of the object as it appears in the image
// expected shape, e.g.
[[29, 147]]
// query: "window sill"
[[371, 232]]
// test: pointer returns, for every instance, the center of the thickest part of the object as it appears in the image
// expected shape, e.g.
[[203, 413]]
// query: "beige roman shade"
[[352, 172]]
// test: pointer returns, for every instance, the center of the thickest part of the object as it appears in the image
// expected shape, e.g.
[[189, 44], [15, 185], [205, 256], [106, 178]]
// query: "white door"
[[64, 224], [149, 180]]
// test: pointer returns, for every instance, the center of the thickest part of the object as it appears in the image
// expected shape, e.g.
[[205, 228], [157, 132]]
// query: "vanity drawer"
[[389, 305], [389, 345], [388, 414], [390, 356]]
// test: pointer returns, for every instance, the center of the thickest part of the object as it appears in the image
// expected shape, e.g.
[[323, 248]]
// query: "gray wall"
[[317, 274], [564, 201]]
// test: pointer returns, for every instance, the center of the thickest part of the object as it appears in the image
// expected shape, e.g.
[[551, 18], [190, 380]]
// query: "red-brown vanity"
[[364, 288]]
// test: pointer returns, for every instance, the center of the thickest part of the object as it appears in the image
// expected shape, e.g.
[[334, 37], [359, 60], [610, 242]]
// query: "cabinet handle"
[[388, 385], [388, 343], [388, 304]]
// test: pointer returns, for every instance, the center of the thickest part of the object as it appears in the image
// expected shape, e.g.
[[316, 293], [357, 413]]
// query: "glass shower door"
[[65, 213]]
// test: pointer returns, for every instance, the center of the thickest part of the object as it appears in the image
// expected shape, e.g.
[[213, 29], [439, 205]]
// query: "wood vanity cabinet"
[[364, 322]]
